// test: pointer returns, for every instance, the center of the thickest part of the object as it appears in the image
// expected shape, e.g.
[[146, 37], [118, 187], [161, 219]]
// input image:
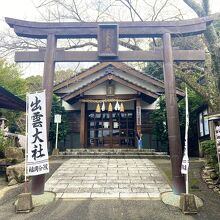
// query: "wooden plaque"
[[108, 40]]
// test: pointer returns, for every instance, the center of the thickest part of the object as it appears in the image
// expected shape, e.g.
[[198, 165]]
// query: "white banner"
[[217, 137], [185, 164], [37, 160], [185, 161]]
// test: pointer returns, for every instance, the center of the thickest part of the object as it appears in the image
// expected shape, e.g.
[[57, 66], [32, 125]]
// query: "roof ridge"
[[76, 74], [84, 85], [135, 84], [139, 71]]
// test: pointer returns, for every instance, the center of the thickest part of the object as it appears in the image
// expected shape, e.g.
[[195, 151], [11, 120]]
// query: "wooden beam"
[[123, 56], [126, 29]]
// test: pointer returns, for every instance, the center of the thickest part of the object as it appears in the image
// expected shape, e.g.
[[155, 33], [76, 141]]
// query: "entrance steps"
[[118, 153]]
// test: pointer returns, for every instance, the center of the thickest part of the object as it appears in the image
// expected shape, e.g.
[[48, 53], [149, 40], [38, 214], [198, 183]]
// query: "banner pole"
[[186, 142], [25, 150], [56, 136]]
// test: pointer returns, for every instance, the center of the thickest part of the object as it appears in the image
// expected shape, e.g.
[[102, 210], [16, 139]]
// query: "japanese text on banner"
[[37, 162]]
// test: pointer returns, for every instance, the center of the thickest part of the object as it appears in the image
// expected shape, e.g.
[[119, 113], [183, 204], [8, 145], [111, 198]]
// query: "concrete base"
[[169, 198], [24, 203], [55, 152], [43, 199], [188, 204]]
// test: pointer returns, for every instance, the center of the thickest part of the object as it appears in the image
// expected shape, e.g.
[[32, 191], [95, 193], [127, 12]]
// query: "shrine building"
[[108, 104]]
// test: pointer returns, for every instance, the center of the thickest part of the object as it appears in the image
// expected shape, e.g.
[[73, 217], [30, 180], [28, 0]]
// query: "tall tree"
[[210, 89]]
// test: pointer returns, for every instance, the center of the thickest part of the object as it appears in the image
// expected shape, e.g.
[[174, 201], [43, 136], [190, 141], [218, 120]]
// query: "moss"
[[194, 183]]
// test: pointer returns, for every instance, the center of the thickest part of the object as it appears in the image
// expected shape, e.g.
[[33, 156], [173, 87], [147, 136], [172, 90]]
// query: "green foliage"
[[216, 24], [195, 102], [57, 108], [2, 145], [11, 79], [62, 75], [209, 149], [34, 83], [159, 119], [155, 70]]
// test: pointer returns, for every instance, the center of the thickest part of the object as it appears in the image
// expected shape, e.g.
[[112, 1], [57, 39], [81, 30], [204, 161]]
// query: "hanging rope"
[[96, 101]]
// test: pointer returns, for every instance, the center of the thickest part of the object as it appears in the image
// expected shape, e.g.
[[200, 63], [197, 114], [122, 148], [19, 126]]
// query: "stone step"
[[113, 156], [109, 150], [111, 153]]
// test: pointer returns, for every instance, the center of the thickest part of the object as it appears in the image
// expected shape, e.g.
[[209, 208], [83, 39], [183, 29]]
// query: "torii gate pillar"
[[172, 116], [37, 186]]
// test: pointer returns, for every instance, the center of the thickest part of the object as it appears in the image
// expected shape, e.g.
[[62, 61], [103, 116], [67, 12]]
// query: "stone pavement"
[[107, 178]]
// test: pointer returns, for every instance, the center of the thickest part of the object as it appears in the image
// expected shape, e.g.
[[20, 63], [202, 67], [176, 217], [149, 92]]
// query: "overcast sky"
[[25, 10]]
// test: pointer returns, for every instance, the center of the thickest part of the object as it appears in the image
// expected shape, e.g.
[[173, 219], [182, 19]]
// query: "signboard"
[[217, 135], [57, 118], [138, 115], [37, 159], [108, 40]]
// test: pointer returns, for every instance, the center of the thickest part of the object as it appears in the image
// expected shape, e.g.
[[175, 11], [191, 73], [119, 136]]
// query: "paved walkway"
[[107, 178]]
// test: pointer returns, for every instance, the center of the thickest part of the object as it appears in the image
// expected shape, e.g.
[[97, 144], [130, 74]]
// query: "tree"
[[155, 70], [159, 119], [209, 90], [11, 79], [62, 75], [34, 83], [57, 108]]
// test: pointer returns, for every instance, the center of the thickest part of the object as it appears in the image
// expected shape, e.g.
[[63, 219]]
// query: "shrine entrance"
[[107, 35], [111, 129]]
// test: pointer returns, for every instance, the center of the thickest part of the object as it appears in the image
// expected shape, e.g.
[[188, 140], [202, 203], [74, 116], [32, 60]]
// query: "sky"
[[25, 10]]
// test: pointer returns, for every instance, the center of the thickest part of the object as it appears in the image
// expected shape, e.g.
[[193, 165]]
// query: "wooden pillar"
[[83, 129], [48, 81], [172, 116], [48, 77]]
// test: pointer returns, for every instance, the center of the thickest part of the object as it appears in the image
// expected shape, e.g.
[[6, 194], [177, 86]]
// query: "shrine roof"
[[10, 101]]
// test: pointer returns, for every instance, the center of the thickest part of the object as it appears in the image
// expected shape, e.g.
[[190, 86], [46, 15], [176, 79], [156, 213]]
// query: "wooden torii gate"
[[107, 35]]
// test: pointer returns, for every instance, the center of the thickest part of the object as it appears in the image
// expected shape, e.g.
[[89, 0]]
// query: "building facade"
[[108, 105]]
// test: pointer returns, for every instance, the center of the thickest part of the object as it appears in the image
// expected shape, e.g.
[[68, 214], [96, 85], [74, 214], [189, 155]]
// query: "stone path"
[[107, 178]]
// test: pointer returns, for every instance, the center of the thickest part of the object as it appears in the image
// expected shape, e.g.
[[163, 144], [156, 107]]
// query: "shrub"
[[3, 144], [210, 153]]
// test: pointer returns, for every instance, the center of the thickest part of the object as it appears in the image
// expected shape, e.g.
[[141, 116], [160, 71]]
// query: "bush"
[[210, 153], [3, 144]]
